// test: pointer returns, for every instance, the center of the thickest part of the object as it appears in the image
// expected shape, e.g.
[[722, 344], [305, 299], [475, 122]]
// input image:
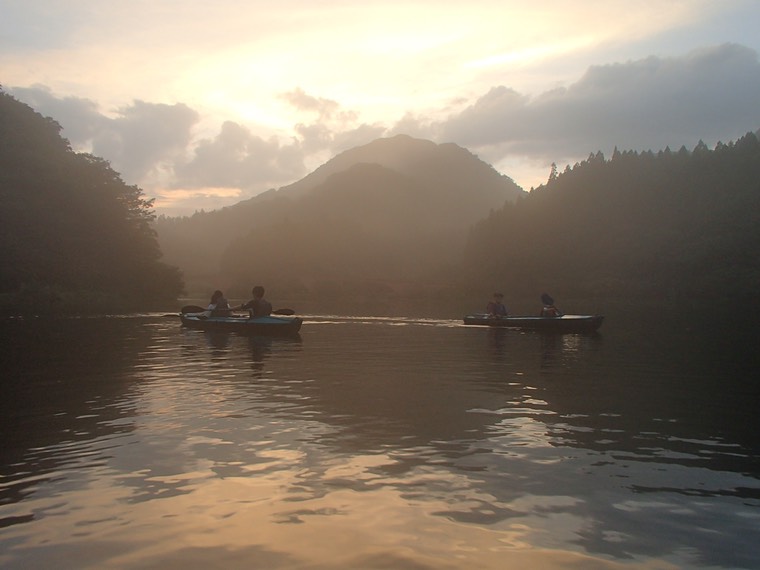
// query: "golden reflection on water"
[[263, 521], [354, 450]]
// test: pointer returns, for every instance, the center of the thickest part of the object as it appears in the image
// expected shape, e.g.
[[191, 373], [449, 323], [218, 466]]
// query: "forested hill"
[[394, 209], [673, 226], [452, 170], [73, 235]]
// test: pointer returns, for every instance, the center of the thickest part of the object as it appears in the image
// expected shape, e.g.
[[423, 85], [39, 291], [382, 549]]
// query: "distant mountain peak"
[[417, 158], [403, 198]]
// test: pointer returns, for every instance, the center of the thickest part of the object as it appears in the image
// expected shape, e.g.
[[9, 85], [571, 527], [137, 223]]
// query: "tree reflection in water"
[[419, 441]]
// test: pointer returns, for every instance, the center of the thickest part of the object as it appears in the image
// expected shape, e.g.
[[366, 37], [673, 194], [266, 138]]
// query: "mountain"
[[443, 164], [404, 206]]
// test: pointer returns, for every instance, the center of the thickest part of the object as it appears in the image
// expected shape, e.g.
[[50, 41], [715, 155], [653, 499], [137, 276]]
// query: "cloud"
[[334, 130], [299, 99], [360, 135], [315, 137], [709, 94], [646, 104], [152, 144], [138, 140], [144, 136], [79, 118], [236, 158], [415, 126]]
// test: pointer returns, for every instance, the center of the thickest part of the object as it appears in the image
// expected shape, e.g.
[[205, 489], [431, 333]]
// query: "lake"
[[378, 443]]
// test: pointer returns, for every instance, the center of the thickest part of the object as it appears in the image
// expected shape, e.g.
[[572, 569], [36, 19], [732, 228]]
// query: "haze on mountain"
[[387, 215], [406, 219], [398, 219]]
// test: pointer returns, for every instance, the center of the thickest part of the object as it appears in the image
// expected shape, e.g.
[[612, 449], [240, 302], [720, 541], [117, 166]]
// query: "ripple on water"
[[367, 443]]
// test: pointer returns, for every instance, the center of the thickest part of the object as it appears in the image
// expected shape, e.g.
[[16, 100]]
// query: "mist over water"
[[130, 442]]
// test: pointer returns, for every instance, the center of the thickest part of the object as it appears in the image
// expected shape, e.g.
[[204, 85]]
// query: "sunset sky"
[[204, 104]]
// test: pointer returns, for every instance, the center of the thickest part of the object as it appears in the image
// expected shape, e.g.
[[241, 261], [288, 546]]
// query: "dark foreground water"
[[379, 443]]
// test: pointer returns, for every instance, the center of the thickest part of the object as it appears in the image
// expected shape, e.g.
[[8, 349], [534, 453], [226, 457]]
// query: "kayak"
[[265, 326], [563, 324]]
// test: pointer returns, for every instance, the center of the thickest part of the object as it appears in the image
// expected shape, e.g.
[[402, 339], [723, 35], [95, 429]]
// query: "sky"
[[205, 104]]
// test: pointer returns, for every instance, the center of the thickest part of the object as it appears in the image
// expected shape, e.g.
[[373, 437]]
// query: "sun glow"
[[377, 67], [534, 53], [176, 200]]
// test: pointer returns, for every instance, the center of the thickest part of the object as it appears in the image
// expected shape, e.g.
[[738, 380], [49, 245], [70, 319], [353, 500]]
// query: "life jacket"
[[220, 309]]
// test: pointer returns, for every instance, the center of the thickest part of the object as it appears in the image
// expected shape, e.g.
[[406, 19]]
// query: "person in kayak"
[[258, 306], [549, 310], [496, 307], [218, 307]]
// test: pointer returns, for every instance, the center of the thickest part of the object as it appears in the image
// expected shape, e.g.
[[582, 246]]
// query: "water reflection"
[[64, 385], [377, 443], [218, 341], [556, 350]]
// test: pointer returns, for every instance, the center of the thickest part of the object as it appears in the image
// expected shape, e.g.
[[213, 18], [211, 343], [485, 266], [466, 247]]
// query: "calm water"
[[376, 443]]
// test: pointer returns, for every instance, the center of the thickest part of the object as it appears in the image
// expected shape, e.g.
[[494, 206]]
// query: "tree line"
[[73, 236], [375, 221], [673, 226], [668, 226]]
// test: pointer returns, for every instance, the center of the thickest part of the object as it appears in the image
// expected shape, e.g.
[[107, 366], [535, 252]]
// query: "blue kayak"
[[266, 326], [563, 324]]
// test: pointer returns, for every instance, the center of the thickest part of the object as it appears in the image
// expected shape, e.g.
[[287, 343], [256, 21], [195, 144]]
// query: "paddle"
[[197, 309], [283, 312]]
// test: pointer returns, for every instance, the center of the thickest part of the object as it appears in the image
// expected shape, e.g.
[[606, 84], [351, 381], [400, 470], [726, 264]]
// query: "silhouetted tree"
[[682, 225], [71, 231]]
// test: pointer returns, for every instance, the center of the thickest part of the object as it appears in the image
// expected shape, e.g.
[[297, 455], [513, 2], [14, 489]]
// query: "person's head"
[[216, 296], [257, 291], [498, 297], [546, 299]]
